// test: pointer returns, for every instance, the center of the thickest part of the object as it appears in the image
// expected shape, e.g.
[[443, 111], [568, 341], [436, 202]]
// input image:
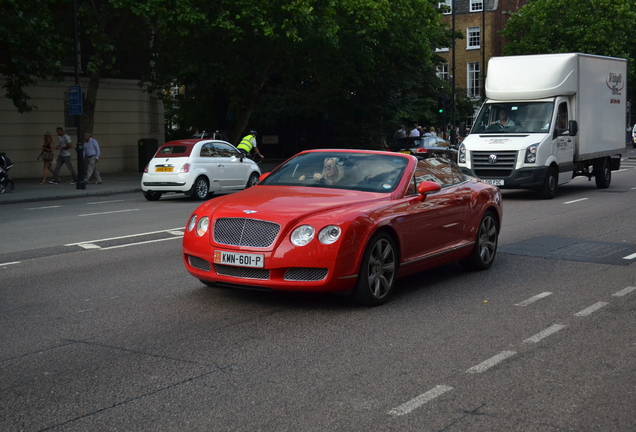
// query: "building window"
[[476, 5], [446, 6], [473, 39], [442, 72], [473, 81]]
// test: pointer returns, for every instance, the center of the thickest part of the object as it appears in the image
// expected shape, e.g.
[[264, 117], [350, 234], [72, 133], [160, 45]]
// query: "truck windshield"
[[519, 117]]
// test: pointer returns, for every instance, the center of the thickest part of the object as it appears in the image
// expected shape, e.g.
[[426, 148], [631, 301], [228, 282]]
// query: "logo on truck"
[[492, 158], [614, 80]]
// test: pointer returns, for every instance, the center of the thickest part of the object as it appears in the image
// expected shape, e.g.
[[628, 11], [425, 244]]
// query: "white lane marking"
[[9, 263], [177, 233], [104, 202], [492, 361], [110, 212], [545, 333], [624, 291], [122, 237], [138, 243], [533, 299], [89, 246], [591, 309], [44, 208], [630, 257], [417, 402], [575, 201]]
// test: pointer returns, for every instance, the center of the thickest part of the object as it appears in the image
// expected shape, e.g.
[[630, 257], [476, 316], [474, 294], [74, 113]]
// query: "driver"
[[504, 121], [331, 173]]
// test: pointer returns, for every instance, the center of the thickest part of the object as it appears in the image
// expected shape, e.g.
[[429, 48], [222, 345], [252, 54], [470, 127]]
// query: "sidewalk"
[[29, 190]]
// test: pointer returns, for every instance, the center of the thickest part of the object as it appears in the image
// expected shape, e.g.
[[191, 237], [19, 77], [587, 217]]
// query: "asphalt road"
[[104, 330]]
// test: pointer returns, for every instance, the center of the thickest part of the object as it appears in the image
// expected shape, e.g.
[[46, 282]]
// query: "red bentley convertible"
[[344, 221]]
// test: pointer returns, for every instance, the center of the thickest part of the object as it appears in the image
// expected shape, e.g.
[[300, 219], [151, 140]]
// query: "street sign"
[[75, 100]]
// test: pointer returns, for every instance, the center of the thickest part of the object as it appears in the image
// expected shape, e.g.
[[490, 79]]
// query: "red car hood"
[[286, 203]]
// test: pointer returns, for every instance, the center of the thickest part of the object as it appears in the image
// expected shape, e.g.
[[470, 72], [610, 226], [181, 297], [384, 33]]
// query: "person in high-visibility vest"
[[248, 144]]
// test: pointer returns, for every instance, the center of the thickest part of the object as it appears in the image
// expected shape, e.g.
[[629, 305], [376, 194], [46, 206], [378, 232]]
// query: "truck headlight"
[[461, 158], [531, 154]]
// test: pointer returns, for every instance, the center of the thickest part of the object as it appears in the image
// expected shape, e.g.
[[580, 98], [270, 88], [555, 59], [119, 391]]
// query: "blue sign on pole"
[[75, 100]]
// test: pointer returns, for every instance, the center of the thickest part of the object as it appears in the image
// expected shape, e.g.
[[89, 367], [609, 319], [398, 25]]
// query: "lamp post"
[[81, 184]]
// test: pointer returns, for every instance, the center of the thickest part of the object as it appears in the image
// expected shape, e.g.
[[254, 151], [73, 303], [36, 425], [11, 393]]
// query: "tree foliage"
[[599, 27]]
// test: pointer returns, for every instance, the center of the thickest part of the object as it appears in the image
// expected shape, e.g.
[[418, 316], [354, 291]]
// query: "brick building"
[[480, 21]]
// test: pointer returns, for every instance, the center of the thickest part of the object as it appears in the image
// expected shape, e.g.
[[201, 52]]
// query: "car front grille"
[[241, 272], [199, 263], [503, 167], [245, 232], [305, 274]]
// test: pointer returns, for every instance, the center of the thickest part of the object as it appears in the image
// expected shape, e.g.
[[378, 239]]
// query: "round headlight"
[[302, 235], [202, 226], [192, 222], [329, 234]]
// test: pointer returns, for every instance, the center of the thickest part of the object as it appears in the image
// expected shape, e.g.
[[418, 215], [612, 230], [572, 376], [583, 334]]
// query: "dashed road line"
[[590, 310], [109, 212], [492, 361], [545, 333], [534, 299], [630, 257], [9, 263], [624, 291], [417, 402], [575, 201]]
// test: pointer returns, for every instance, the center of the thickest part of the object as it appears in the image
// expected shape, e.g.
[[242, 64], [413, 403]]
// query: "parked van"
[[547, 119]]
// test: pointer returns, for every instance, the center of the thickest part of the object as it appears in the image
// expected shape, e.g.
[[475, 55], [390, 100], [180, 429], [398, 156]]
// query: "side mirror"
[[427, 187], [573, 127]]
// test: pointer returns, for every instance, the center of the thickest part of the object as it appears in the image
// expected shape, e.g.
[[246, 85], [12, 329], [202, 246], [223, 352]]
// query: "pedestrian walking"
[[64, 157], [47, 156], [91, 157]]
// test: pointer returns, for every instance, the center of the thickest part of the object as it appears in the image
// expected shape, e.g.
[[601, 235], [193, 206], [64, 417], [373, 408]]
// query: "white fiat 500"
[[197, 168]]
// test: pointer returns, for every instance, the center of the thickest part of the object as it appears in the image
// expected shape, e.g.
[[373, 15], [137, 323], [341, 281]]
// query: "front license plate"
[[164, 169], [497, 182], [239, 259]]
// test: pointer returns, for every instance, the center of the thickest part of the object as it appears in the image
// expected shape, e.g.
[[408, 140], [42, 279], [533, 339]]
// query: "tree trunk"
[[88, 118], [240, 129]]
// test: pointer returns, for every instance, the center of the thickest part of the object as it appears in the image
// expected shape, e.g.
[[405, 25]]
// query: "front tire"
[[603, 174], [485, 249], [200, 189], [377, 276], [548, 191], [253, 180]]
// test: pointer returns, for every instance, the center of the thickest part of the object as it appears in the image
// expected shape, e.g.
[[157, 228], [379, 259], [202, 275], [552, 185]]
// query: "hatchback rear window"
[[175, 150]]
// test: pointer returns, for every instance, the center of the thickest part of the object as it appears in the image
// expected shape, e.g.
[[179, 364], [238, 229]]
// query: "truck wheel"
[[603, 174], [548, 191]]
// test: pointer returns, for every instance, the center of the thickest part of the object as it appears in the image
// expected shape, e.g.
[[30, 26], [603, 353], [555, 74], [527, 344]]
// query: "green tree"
[[589, 26], [30, 48], [345, 64]]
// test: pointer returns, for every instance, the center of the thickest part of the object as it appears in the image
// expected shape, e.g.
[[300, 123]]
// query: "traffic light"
[[440, 104]]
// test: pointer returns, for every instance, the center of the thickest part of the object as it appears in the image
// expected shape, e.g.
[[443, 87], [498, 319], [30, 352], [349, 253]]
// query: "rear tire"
[[485, 249], [376, 279], [200, 189], [548, 191], [152, 196], [603, 174]]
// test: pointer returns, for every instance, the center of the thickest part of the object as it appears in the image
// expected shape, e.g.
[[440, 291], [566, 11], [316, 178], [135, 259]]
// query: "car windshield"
[[370, 172], [514, 117]]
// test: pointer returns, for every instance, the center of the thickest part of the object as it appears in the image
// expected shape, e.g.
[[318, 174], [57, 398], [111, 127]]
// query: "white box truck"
[[547, 119]]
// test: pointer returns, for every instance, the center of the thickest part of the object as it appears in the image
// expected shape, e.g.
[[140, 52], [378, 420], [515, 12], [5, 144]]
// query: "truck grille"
[[503, 167], [245, 232]]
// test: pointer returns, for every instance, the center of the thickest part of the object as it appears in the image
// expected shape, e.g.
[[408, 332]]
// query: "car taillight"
[[421, 150], [146, 169], [185, 168]]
